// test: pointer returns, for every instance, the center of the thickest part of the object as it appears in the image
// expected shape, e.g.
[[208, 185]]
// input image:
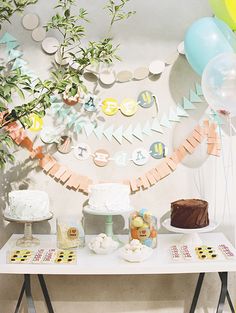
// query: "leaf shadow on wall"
[[16, 178]]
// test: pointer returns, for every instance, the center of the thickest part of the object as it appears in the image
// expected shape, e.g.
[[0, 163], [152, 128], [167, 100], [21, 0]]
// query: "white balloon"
[[219, 83]]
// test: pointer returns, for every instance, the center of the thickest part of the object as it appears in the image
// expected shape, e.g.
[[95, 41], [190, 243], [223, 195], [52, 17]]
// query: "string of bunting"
[[76, 121], [77, 182]]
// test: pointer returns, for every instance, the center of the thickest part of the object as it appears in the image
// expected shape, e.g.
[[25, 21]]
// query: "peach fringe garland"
[[76, 182]]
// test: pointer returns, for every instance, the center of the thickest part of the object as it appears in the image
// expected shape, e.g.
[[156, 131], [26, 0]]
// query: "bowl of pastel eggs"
[[135, 251], [102, 244]]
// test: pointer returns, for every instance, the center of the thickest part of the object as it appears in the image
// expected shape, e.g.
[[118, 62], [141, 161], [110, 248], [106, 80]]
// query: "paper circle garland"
[[49, 135], [50, 45], [128, 107], [157, 67], [158, 150], [140, 156], [141, 73], [145, 99], [101, 157], [64, 144], [30, 21], [82, 151], [38, 34], [124, 76], [37, 123], [121, 158], [110, 106], [107, 78]]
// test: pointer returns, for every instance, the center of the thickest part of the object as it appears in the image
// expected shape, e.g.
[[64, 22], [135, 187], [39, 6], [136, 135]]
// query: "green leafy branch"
[[117, 10], [9, 7]]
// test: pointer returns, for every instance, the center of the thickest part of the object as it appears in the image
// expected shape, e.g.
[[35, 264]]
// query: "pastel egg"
[[137, 221], [147, 216], [134, 233], [142, 211], [148, 242], [153, 233]]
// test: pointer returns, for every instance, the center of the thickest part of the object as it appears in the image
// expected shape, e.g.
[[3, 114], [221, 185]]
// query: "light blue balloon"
[[205, 39]]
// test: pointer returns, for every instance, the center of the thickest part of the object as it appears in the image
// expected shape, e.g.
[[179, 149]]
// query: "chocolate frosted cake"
[[189, 213]]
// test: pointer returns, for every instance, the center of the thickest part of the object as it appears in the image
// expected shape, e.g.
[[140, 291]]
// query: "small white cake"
[[109, 197], [28, 204]]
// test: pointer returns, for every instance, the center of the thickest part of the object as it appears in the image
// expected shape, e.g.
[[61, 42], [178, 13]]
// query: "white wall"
[[153, 33]]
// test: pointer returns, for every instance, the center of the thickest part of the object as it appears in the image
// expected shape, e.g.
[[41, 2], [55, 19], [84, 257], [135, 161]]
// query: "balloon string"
[[226, 197]]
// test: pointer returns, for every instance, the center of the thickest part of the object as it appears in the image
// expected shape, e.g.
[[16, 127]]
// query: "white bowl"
[[103, 250], [136, 256]]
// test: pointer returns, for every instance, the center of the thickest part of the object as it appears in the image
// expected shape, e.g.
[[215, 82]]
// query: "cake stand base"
[[27, 240], [190, 236], [108, 220]]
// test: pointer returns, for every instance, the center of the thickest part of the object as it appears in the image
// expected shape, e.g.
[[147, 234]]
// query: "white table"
[[91, 264]]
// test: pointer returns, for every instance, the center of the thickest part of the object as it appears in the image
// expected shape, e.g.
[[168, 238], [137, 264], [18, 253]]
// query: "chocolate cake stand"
[[27, 240], [108, 218], [190, 236]]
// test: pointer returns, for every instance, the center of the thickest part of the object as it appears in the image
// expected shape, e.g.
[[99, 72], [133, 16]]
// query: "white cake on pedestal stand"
[[27, 207], [108, 200]]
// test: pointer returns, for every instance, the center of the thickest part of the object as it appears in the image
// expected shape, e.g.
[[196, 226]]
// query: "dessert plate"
[[212, 226]]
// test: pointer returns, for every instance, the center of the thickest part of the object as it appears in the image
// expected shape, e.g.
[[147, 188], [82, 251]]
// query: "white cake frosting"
[[109, 197], [28, 204]]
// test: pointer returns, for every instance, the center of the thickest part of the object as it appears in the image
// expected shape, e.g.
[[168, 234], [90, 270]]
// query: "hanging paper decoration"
[[140, 156], [145, 99], [110, 106], [158, 150], [128, 107], [82, 151], [64, 145], [37, 123], [91, 103], [101, 157], [121, 158]]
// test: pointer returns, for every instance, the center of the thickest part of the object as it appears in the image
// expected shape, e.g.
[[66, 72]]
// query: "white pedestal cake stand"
[[27, 240], [190, 236], [108, 218]]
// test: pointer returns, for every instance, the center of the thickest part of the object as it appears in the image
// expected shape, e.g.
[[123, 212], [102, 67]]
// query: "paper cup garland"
[[82, 151], [140, 156], [110, 106], [141, 73], [158, 150], [145, 99], [37, 123], [128, 107]]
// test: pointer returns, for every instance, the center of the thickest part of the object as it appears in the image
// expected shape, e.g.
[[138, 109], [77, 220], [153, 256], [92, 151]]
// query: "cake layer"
[[109, 197], [189, 213], [28, 204]]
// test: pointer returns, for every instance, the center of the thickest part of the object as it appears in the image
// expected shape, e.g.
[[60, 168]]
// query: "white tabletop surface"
[[91, 264]]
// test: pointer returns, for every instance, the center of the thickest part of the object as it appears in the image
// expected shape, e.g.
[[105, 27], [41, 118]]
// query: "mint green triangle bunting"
[[194, 97], [198, 89], [7, 38], [187, 105]]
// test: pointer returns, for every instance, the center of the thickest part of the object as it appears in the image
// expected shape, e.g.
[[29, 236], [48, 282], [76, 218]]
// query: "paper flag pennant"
[[181, 112], [98, 131], [194, 97], [156, 126], [88, 128], [128, 134], [18, 63], [118, 134], [173, 117], [55, 99], [7, 38], [187, 105], [164, 121], [14, 54], [108, 132], [78, 126], [147, 129], [12, 45], [137, 132], [198, 89]]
